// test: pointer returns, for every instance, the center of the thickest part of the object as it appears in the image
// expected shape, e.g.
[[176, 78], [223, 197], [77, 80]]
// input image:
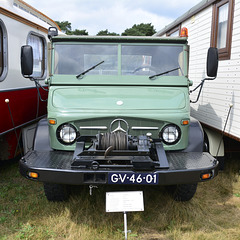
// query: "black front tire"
[[183, 192], [56, 192]]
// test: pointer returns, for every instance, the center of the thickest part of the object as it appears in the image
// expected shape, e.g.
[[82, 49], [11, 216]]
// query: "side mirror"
[[212, 62], [27, 61], [52, 31], [212, 67]]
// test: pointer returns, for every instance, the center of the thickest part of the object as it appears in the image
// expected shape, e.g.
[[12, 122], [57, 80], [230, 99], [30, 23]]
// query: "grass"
[[214, 212]]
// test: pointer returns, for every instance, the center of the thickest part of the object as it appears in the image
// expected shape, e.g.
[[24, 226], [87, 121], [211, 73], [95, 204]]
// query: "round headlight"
[[171, 134], [67, 134]]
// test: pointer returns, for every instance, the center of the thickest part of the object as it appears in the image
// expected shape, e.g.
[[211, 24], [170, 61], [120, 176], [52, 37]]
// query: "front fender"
[[195, 137], [41, 140]]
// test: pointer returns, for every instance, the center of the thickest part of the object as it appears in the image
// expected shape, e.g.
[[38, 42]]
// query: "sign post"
[[125, 225], [131, 201]]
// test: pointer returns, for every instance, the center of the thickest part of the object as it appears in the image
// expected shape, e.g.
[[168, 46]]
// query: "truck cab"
[[118, 113]]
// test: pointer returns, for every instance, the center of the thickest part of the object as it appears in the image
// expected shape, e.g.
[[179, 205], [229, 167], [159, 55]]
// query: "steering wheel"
[[142, 67]]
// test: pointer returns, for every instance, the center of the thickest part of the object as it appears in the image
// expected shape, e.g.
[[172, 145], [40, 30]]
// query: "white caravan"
[[215, 24]]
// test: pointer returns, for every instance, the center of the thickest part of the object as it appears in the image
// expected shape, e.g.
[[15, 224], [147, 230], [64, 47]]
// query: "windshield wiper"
[[88, 70], [159, 74]]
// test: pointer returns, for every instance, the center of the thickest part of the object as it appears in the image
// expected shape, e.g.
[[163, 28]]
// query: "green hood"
[[119, 98]]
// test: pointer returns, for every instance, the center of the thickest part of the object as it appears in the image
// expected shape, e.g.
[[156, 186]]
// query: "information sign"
[[130, 201]]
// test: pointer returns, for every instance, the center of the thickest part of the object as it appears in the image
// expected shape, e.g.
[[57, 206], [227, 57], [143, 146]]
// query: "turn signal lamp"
[[206, 176], [185, 122], [33, 175], [184, 32], [52, 121]]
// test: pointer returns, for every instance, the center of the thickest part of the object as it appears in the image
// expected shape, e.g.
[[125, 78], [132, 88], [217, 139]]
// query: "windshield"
[[76, 58], [148, 60]]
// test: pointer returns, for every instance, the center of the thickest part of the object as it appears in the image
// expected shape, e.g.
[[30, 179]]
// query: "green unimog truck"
[[118, 113]]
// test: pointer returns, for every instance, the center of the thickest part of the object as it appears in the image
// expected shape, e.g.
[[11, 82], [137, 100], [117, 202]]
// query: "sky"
[[114, 15]]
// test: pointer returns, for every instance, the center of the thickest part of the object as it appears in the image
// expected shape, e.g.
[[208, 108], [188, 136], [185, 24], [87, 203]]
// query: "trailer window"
[[174, 32], [3, 51], [39, 55], [222, 28]]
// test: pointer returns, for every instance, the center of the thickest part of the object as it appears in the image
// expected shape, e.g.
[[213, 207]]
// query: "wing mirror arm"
[[200, 85], [200, 90]]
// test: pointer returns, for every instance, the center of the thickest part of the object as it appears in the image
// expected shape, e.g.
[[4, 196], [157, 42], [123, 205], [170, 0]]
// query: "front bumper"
[[56, 167]]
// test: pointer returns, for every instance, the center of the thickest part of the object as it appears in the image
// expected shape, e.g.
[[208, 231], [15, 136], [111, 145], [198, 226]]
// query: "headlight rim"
[[60, 127], [167, 126]]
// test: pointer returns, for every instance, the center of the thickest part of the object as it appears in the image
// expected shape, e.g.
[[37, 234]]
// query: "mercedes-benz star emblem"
[[121, 125]]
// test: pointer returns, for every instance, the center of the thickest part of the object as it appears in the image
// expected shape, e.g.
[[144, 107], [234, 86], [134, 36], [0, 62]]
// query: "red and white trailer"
[[20, 104]]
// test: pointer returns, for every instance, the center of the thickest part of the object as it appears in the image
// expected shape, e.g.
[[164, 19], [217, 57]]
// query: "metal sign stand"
[[125, 225]]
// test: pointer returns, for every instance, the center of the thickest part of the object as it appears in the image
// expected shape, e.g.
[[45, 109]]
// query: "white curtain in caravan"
[[37, 45], [1, 52], [222, 26]]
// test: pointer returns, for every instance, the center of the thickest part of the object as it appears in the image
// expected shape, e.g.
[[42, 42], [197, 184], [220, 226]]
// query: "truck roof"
[[123, 39]]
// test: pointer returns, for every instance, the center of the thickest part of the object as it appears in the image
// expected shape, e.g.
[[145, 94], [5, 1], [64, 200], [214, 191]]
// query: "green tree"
[[80, 32], [142, 29], [65, 26], [106, 33]]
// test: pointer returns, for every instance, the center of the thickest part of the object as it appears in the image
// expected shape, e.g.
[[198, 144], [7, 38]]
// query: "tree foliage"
[[106, 33], [142, 29], [66, 27], [79, 32]]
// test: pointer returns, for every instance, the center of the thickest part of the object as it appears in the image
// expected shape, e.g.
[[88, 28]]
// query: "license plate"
[[133, 178]]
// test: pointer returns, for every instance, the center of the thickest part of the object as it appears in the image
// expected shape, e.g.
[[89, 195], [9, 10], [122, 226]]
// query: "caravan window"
[[222, 28], [3, 51], [39, 55], [174, 32]]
